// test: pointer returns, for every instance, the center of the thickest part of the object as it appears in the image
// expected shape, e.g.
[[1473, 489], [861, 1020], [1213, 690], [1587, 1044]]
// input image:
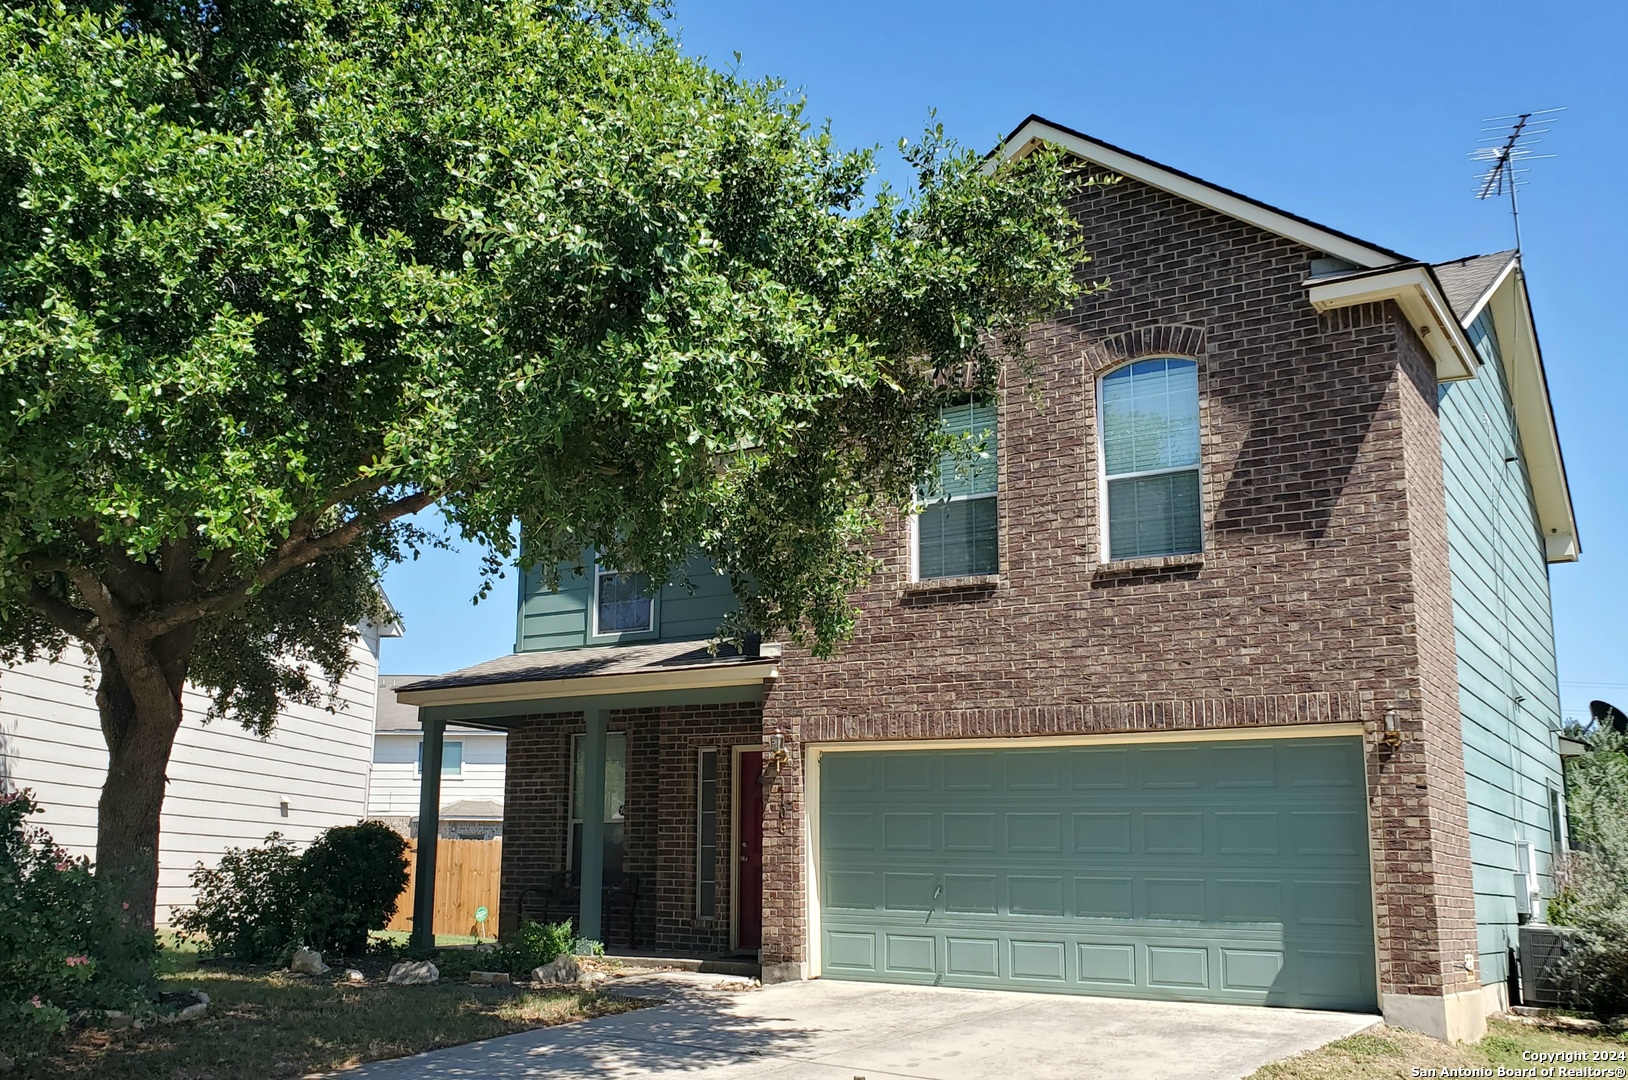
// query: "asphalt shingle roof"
[[1464, 281], [641, 659]]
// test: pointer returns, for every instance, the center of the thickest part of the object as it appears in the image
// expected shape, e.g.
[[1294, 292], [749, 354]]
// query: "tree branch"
[[43, 564], [291, 555], [63, 615]]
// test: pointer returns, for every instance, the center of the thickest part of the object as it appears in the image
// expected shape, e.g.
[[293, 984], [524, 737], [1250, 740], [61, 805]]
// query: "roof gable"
[[1037, 130]]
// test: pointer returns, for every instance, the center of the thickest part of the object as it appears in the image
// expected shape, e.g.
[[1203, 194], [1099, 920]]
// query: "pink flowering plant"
[[60, 952]]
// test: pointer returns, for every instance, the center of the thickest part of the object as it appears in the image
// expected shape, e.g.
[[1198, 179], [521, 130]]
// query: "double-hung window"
[[957, 533], [622, 603], [1149, 429]]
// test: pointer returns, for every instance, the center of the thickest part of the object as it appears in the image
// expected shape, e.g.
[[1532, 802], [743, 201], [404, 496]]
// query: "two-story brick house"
[[1224, 671]]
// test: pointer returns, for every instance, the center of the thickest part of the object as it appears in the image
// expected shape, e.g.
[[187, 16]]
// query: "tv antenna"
[[1504, 146]]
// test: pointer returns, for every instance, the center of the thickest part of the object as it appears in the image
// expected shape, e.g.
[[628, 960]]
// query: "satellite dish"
[[1605, 713]]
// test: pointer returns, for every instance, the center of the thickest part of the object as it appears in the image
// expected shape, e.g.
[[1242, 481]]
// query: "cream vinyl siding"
[[226, 785], [394, 789]]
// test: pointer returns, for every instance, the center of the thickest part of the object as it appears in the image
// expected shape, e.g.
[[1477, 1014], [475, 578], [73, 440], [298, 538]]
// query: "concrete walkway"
[[825, 1030]]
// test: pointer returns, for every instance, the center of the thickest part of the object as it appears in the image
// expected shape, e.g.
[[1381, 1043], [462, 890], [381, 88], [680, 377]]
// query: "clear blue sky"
[[1360, 117]]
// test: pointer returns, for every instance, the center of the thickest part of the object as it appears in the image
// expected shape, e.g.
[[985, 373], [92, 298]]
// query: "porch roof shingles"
[[643, 659]]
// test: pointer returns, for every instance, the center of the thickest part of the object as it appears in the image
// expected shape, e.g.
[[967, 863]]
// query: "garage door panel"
[[1103, 833], [1144, 871], [911, 954], [1174, 899], [907, 832], [1173, 834], [1042, 960], [1105, 964], [1181, 967], [1246, 833], [1030, 895], [1103, 770], [970, 832], [909, 892], [1251, 970]]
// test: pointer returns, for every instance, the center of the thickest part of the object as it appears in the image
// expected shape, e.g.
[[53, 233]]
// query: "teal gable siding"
[[687, 608], [1509, 696]]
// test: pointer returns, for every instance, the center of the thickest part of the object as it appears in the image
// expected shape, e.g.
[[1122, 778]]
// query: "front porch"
[[667, 739]]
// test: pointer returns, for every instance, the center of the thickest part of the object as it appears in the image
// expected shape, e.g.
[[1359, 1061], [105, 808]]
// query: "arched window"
[[1148, 422]]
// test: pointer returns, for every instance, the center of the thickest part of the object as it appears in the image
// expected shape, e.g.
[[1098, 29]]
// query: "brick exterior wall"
[[1322, 594], [659, 821]]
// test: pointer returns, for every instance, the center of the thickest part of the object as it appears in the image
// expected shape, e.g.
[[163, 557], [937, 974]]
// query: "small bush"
[[248, 905], [351, 877], [1593, 900], [63, 946], [258, 904], [533, 945]]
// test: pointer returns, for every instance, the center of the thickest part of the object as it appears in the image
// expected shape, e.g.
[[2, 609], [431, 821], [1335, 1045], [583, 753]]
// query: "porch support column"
[[429, 832], [593, 823]]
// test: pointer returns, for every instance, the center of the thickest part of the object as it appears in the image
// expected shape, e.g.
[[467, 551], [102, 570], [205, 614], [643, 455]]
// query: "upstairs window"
[[958, 530], [1149, 430], [622, 604]]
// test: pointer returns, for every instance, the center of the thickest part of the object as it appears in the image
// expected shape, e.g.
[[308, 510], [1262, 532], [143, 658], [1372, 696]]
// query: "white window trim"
[[418, 768], [600, 570], [1106, 550], [915, 528]]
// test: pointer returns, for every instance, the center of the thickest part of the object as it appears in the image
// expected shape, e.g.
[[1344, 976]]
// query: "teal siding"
[[690, 607], [1509, 696], [1230, 872]]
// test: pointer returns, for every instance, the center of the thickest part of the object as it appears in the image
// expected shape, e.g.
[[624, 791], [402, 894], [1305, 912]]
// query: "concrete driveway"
[[825, 1030]]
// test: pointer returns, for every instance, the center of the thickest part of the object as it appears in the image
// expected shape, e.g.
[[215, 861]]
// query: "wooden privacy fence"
[[466, 877]]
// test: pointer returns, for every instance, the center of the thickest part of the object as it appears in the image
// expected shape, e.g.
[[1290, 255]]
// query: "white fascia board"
[[1416, 293], [1534, 418], [1486, 297], [1118, 162], [591, 685]]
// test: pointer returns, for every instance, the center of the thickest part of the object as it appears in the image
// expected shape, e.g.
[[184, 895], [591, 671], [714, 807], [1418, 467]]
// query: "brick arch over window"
[[1164, 339]]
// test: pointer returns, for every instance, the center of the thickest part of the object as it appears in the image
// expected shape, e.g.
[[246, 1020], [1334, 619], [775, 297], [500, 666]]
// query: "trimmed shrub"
[[63, 946], [350, 878], [248, 904]]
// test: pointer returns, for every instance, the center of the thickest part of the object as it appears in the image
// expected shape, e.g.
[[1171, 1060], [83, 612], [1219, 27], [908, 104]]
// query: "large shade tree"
[[275, 275]]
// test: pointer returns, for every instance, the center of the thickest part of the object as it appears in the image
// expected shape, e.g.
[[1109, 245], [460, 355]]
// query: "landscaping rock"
[[119, 1020], [191, 1012], [307, 962], [414, 973], [560, 971], [488, 978], [355, 976], [591, 980]]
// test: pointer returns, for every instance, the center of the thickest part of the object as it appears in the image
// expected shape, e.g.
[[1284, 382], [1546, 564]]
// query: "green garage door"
[[1222, 871]]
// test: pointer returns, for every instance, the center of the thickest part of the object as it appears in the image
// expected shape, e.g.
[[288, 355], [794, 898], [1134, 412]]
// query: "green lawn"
[[265, 1023], [1387, 1053]]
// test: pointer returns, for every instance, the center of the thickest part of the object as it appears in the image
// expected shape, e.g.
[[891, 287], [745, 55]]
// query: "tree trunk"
[[139, 699]]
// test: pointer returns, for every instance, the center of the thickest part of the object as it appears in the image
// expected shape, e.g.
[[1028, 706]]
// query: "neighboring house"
[[1225, 674], [227, 786], [471, 772]]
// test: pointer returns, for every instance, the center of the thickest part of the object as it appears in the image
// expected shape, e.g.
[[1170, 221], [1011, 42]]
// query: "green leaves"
[[268, 269]]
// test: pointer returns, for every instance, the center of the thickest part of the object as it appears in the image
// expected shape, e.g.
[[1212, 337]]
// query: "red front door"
[[749, 852]]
